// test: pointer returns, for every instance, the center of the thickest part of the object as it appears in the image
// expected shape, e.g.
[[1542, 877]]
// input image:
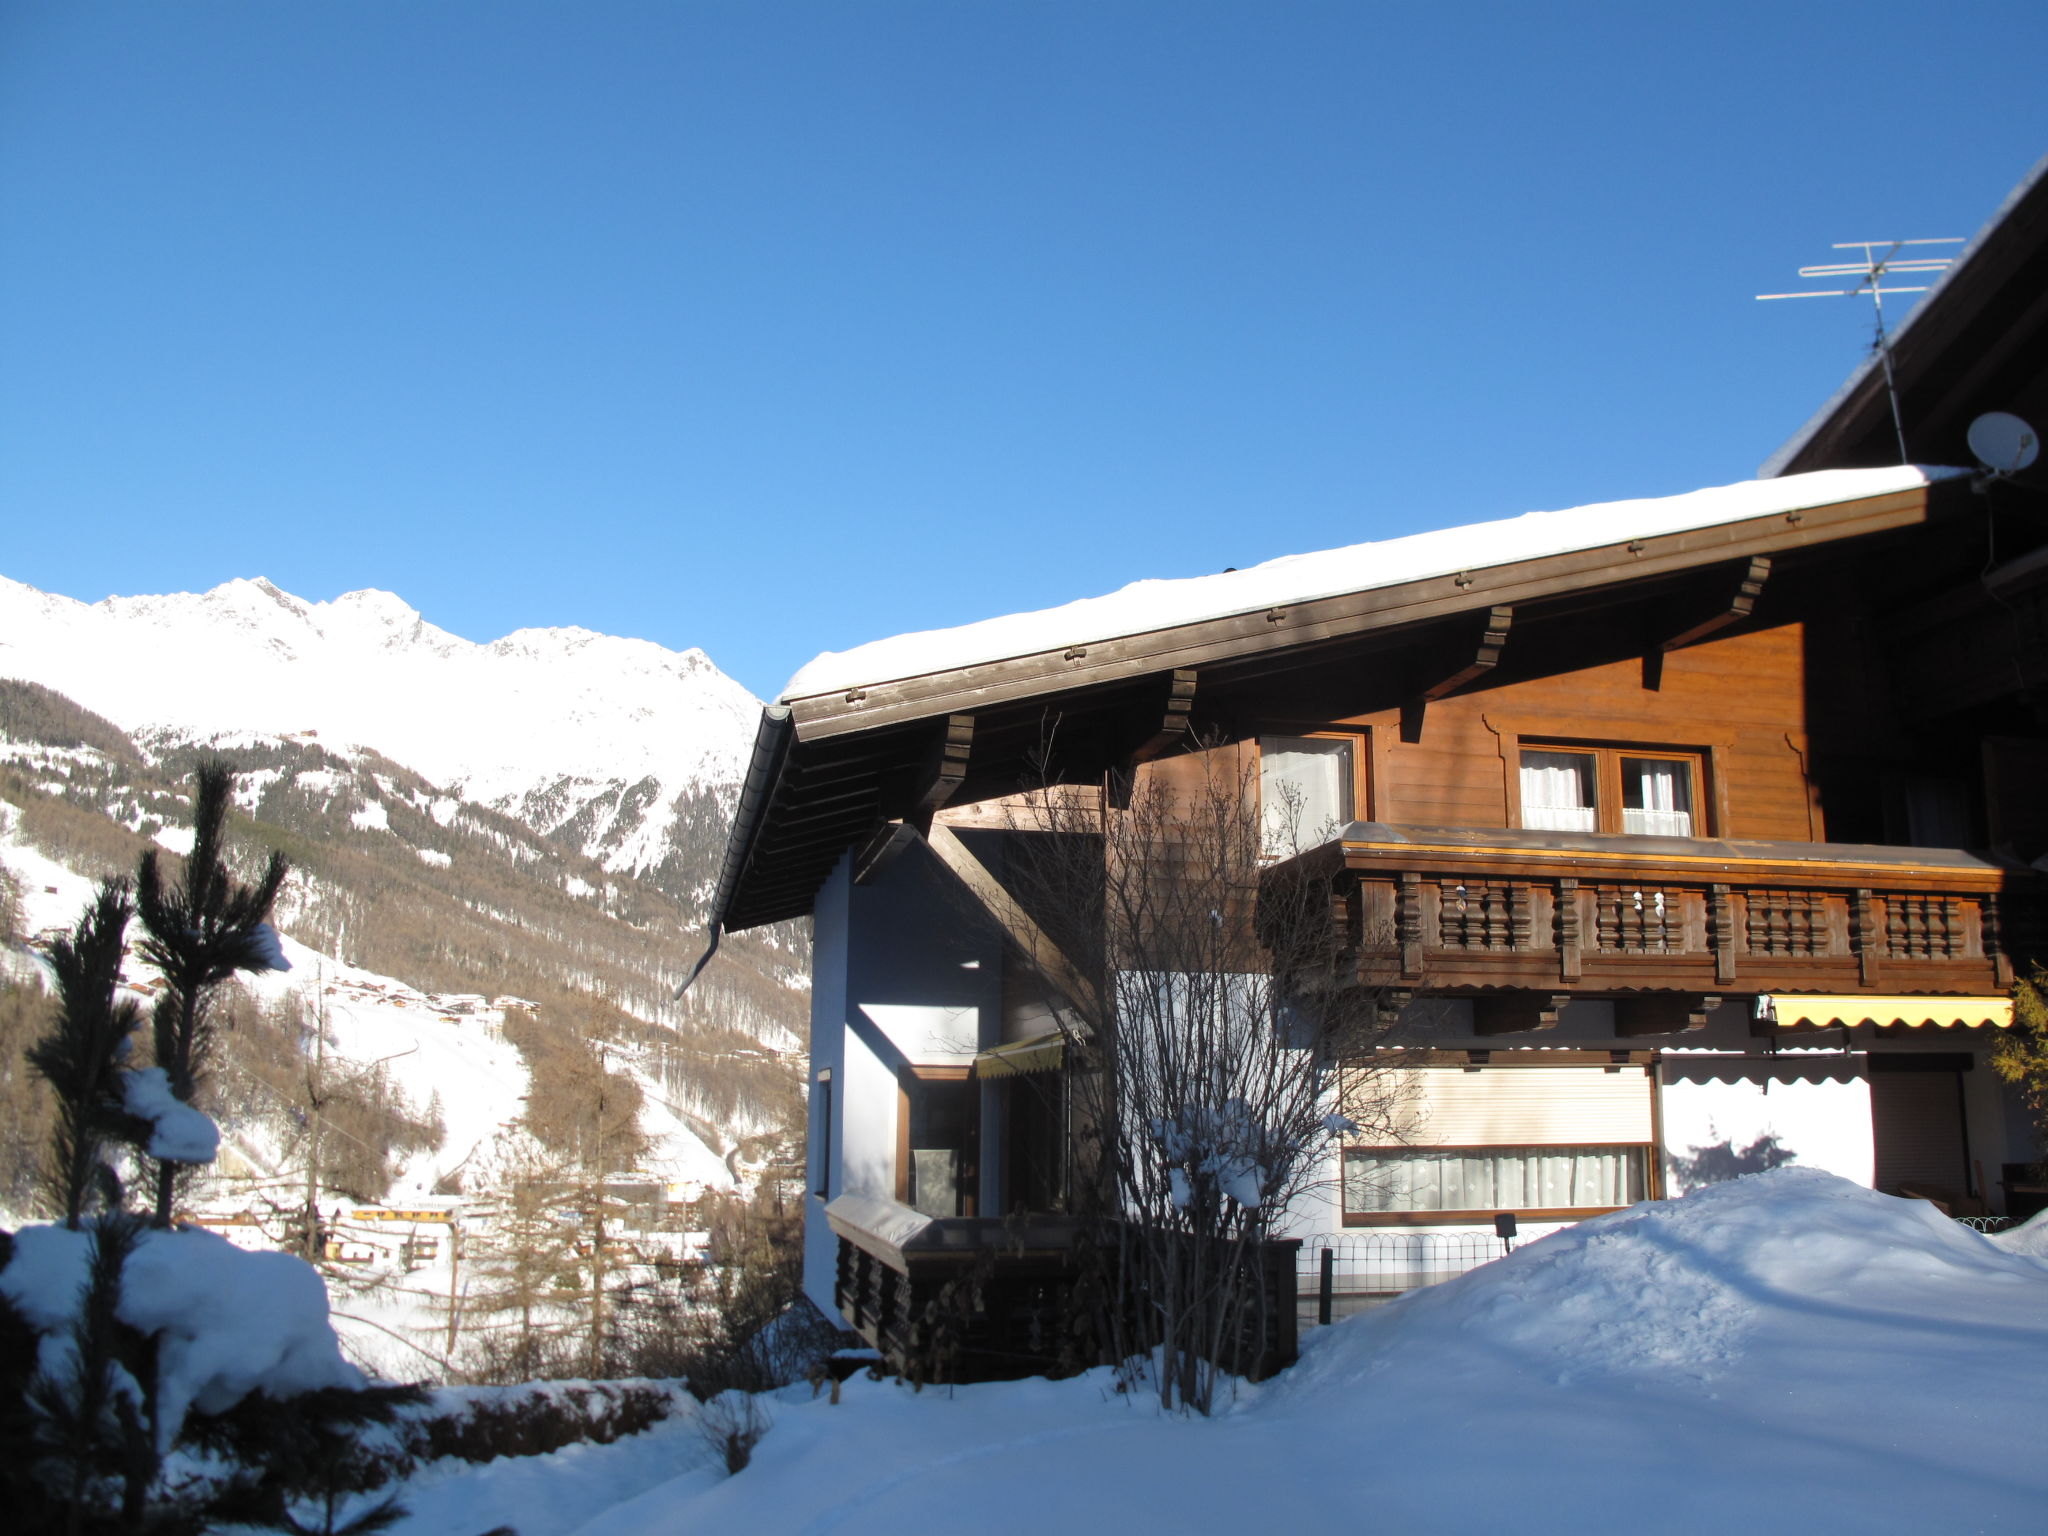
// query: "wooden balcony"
[[1662, 923]]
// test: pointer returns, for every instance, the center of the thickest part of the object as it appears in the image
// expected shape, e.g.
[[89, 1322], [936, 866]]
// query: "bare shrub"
[[732, 1424], [1207, 999], [536, 1422]]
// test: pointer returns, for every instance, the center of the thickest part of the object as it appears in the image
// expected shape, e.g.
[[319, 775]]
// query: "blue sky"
[[776, 327]]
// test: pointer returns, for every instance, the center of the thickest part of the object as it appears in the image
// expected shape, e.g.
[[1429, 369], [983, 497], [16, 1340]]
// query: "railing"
[[1571, 912], [1985, 1225], [1341, 1272]]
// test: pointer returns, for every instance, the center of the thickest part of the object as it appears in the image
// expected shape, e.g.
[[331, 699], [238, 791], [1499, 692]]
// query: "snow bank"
[[1147, 605], [2029, 1238], [228, 1322], [1783, 1353]]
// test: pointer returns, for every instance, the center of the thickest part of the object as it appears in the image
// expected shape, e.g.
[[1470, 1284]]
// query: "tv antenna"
[[1873, 274]]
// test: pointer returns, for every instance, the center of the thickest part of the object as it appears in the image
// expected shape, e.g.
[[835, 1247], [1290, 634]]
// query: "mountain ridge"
[[554, 726]]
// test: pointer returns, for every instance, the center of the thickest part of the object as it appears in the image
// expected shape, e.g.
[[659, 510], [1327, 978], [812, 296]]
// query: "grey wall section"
[[906, 971]]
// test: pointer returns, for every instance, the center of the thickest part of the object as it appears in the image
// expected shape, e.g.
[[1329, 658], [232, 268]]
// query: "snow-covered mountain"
[[567, 730], [540, 817]]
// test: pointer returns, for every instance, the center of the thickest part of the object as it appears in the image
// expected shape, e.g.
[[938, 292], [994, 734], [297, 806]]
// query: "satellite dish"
[[2003, 443]]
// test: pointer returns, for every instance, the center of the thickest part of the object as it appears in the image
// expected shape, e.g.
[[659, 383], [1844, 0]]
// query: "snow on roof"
[[1156, 604]]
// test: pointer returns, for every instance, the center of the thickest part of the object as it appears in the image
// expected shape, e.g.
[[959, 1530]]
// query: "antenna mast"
[[1871, 274]]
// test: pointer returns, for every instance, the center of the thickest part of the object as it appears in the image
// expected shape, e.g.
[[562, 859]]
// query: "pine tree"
[[2020, 1054], [201, 932], [81, 1057]]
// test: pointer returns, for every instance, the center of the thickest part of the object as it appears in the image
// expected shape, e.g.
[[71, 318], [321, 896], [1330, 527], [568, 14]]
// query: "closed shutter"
[[1916, 1123], [1525, 1107]]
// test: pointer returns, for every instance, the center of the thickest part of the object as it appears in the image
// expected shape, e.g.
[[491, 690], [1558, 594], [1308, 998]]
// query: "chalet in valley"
[[1679, 837]]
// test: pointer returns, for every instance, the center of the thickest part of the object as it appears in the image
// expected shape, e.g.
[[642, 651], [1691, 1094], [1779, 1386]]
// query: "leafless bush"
[[537, 1422], [732, 1424], [1207, 1002]]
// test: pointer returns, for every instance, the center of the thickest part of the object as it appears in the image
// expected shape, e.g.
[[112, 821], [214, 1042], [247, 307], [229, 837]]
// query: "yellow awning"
[[1941, 1012], [1041, 1053]]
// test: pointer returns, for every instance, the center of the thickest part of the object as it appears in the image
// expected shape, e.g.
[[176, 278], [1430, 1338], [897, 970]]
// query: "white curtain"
[[1658, 798], [1557, 792], [1304, 792], [1493, 1179]]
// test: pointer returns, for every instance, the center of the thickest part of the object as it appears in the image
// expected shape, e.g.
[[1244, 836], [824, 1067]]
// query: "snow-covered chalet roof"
[[1152, 605]]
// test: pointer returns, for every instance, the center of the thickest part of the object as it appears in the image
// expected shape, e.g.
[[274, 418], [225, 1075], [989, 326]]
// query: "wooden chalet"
[[1698, 834]]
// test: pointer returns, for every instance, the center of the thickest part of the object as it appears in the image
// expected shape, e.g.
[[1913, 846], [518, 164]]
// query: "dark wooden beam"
[[1492, 641], [1172, 728], [1662, 1013], [1032, 942], [881, 849], [945, 765], [1516, 1013], [1748, 588]]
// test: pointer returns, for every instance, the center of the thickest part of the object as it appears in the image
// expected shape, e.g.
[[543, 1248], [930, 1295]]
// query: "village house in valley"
[[1675, 837]]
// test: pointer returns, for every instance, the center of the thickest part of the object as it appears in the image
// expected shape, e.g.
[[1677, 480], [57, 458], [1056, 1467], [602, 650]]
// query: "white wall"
[[1720, 1129]]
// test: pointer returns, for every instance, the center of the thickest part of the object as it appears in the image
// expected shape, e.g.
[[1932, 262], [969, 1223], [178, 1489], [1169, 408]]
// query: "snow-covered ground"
[[1786, 1353]]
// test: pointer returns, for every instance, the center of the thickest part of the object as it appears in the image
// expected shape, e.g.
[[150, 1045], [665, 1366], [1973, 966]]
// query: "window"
[[938, 1169], [1560, 792], [821, 1116], [1307, 790], [1610, 789], [1381, 1181]]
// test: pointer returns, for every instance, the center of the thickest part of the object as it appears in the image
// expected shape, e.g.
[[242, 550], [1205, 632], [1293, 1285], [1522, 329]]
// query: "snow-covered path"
[[1788, 1353]]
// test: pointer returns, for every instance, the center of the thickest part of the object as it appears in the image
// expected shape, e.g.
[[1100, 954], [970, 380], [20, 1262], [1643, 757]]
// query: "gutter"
[[772, 739]]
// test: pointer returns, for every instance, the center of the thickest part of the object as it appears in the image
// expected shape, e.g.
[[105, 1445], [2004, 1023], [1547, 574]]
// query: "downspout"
[[764, 776]]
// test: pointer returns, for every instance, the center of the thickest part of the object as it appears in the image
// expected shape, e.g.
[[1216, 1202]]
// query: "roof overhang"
[[1093, 662], [842, 764]]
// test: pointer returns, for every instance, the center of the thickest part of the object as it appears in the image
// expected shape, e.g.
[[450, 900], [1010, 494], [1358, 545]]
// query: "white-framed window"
[[1465, 1180], [1308, 790], [1560, 791], [1612, 789]]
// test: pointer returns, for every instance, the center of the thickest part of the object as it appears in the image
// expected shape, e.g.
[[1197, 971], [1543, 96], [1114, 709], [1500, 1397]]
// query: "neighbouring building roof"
[[1973, 344]]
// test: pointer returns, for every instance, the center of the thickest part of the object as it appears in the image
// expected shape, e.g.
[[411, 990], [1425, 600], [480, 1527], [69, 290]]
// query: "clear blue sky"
[[775, 327]]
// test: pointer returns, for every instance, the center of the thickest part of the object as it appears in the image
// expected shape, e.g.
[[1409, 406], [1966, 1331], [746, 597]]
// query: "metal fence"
[[1344, 1272], [1986, 1224]]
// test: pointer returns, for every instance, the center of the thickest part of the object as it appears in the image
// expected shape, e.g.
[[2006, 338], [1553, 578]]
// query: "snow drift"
[[1785, 1353]]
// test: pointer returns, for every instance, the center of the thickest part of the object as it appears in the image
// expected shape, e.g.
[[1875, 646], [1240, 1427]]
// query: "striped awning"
[[1041, 1053], [1941, 1012]]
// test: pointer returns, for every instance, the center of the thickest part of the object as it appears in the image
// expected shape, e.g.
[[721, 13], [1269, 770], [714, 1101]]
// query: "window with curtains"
[[1307, 790], [1612, 789], [1405, 1180]]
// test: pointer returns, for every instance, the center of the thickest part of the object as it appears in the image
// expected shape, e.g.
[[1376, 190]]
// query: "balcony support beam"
[[1516, 1013], [1663, 1013]]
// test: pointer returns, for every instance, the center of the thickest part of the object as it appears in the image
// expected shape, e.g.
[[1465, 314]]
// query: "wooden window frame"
[[1653, 1188], [969, 1198], [1363, 778], [1607, 781]]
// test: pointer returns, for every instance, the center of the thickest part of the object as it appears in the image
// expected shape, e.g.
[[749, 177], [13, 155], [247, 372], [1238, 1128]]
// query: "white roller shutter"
[[1525, 1107]]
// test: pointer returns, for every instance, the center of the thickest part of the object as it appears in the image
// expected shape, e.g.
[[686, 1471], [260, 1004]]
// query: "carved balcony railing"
[[1464, 911]]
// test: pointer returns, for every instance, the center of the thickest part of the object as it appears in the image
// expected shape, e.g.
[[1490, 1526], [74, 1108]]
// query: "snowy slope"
[[450, 1047], [1788, 1353], [543, 724]]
